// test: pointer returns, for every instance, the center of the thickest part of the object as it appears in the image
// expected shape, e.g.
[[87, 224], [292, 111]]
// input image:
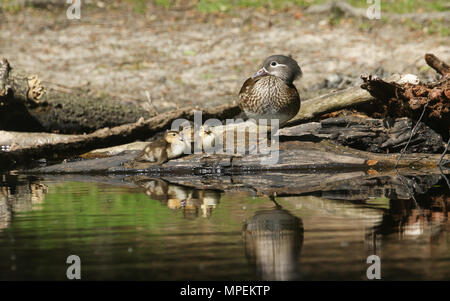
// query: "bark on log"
[[334, 101], [32, 106], [369, 134], [312, 108]]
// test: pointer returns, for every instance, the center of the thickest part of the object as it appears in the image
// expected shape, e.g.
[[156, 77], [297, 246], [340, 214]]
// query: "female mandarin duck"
[[270, 92]]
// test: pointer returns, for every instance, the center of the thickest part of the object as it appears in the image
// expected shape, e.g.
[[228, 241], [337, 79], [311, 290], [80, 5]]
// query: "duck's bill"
[[260, 72]]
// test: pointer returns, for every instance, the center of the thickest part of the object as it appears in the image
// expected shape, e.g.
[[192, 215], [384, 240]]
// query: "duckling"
[[207, 137], [160, 151]]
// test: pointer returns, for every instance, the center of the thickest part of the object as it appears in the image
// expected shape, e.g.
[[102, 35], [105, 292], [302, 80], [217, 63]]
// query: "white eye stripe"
[[275, 64]]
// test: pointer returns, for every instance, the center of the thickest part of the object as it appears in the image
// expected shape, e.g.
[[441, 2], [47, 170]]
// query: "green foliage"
[[393, 6], [140, 6]]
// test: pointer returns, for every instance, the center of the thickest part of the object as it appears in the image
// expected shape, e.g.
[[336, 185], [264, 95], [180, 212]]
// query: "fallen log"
[[369, 134], [38, 145], [65, 147], [41, 145], [292, 156], [313, 108], [29, 105]]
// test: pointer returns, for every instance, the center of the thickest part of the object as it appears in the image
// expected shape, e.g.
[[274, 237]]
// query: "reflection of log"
[[373, 135], [30, 105], [349, 185], [60, 146], [19, 195]]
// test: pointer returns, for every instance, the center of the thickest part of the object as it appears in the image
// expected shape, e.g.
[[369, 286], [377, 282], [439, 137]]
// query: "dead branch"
[[409, 99], [440, 66], [334, 101], [369, 134]]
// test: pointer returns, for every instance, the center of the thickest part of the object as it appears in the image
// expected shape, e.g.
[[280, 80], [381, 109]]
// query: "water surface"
[[156, 230]]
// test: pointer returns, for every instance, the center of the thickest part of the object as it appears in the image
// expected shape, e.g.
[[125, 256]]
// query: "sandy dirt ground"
[[186, 58]]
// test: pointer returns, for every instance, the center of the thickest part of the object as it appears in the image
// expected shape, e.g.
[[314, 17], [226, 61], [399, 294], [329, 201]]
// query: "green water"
[[159, 231]]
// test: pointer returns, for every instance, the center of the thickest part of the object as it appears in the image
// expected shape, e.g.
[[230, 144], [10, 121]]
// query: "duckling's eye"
[[273, 64]]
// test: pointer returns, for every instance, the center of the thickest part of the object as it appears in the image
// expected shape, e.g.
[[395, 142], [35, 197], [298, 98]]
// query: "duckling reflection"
[[273, 240], [177, 197]]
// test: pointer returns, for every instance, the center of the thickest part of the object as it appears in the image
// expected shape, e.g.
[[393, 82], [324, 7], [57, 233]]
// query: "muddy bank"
[[186, 58]]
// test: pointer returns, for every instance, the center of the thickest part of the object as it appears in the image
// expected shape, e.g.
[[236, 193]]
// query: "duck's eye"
[[273, 64]]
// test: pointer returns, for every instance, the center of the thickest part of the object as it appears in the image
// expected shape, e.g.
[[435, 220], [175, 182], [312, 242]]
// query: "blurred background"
[[200, 52]]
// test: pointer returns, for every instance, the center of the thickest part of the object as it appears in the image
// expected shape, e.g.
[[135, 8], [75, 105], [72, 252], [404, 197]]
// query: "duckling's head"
[[281, 66], [173, 137], [208, 137], [205, 131]]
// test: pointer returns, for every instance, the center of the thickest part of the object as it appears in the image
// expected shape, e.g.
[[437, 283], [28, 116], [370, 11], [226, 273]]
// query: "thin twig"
[[443, 155], [444, 176], [412, 134], [149, 100], [411, 193]]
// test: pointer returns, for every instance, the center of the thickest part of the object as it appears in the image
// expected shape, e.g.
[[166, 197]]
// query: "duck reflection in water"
[[273, 240], [177, 197]]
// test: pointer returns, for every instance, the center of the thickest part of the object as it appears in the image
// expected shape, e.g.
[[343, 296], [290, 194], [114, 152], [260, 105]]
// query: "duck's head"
[[281, 66], [173, 137]]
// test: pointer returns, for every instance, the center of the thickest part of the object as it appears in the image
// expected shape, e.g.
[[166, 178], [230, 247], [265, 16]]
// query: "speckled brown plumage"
[[170, 146], [270, 93]]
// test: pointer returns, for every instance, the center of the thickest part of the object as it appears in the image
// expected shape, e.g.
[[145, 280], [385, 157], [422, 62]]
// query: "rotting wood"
[[369, 134], [409, 99], [334, 101]]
